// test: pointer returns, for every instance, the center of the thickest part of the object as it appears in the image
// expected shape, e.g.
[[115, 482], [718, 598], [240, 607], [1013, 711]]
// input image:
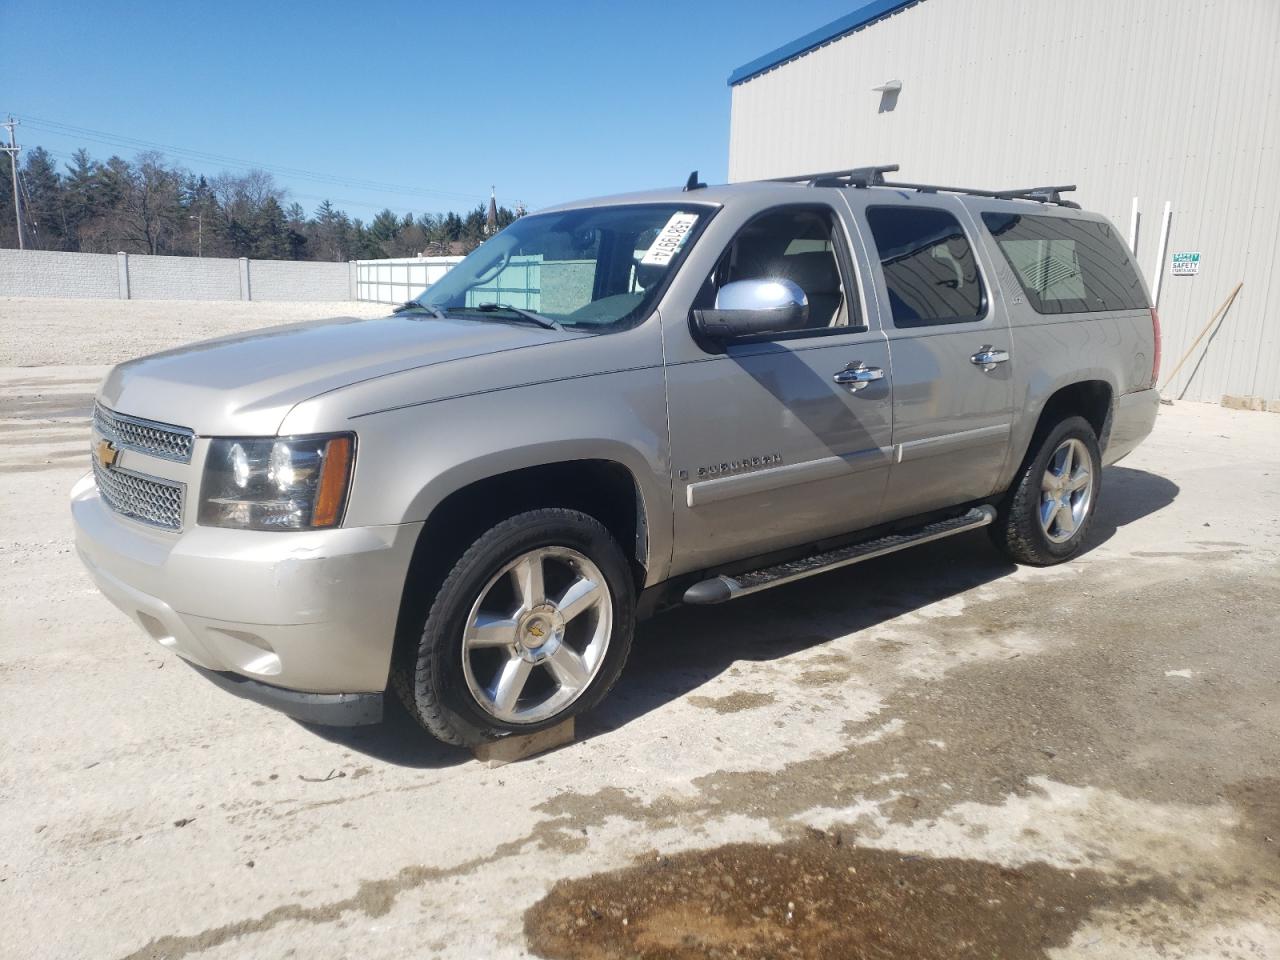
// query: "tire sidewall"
[[439, 678], [1079, 429]]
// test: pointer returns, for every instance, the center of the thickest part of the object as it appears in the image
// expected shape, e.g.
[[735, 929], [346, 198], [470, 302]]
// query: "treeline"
[[151, 206]]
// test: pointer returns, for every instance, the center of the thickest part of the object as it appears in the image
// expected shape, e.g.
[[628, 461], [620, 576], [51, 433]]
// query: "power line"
[[111, 139]]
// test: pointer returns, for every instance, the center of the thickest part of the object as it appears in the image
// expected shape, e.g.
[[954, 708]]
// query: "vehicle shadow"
[[679, 651]]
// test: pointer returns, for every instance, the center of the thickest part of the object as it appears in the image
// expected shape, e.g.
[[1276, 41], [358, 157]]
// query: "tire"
[[1020, 529], [493, 660]]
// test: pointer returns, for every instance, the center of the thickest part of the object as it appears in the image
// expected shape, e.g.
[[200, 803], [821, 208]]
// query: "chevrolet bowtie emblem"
[[537, 631], [105, 454]]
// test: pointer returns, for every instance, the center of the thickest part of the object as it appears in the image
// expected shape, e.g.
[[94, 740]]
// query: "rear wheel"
[[1046, 516], [532, 626]]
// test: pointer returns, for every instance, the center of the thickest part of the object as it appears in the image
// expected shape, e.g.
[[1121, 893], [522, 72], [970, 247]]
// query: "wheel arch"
[[1090, 396], [462, 504]]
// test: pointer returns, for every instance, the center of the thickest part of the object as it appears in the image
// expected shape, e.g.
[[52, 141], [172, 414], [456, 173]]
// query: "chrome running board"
[[722, 588]]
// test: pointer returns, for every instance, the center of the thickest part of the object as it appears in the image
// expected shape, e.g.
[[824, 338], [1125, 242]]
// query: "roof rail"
[[863, 177], [1039, 194], [857, 177]]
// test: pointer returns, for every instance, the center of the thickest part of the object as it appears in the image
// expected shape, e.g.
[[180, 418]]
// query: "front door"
[[768, 450], [952, 355]]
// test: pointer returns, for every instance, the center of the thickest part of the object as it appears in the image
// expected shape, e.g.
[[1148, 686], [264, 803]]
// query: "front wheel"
[[1046, 516], [532, 626]]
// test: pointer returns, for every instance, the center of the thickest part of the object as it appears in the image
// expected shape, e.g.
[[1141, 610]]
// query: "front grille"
[[162, 440], [149, 499]]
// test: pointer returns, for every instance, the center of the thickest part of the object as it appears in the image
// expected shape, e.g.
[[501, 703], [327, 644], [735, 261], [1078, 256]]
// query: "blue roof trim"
[[836, 28]]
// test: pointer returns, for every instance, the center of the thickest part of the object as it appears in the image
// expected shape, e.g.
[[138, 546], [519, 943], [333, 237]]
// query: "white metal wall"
[[1173, 100], [395, 281]]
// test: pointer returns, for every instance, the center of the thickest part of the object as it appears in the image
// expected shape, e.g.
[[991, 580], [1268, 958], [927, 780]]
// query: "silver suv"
[[608, 408]]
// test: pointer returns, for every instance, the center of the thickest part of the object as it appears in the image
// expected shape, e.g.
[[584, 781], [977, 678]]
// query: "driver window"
[[798, 244]]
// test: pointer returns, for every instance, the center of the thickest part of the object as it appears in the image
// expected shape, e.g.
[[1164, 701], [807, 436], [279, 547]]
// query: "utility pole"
[[12, 150], [199, 219]]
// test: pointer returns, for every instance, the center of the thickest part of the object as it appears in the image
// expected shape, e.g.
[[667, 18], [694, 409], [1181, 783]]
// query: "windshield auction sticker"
[[669, 240]]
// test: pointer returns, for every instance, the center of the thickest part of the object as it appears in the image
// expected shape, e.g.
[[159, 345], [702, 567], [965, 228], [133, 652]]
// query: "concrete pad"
[[1100, 736]]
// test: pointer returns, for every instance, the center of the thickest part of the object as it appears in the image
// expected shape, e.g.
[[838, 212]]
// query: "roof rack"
[[857, 177], [863, 177]]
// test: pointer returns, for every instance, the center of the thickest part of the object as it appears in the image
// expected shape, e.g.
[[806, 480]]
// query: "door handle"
[[857, 375], [988, 357]]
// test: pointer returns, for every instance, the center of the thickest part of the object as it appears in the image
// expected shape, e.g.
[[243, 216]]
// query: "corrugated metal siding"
[[1160, 99]]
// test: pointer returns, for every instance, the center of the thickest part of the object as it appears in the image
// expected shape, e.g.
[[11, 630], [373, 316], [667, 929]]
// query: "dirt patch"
[[734, 702], [822, 678], [816, 897], [1258, 803]]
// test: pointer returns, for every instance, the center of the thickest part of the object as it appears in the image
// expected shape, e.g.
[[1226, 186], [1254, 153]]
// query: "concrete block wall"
[[182, 278], [300, 280], [46, 273]]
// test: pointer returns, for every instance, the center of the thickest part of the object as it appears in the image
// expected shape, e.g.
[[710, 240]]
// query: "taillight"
[[1155, 358]]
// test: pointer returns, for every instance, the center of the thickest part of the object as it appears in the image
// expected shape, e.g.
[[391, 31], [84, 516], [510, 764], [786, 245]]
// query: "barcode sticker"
[[669, 240]]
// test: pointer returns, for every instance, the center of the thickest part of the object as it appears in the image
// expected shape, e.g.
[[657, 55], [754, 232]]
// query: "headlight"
[[293, 483]]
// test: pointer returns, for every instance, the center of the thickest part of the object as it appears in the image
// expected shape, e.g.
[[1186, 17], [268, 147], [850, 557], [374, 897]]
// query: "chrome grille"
[[162, 440], [149, 499]]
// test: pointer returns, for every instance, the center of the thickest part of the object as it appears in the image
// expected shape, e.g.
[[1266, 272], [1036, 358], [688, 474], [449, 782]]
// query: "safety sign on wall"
[[1186, 264]]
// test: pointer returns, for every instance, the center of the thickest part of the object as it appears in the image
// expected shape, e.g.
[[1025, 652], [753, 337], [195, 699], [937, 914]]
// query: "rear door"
[[951, 350]]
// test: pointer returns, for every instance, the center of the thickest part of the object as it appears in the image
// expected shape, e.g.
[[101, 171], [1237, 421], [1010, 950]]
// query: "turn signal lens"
[[333, 483]]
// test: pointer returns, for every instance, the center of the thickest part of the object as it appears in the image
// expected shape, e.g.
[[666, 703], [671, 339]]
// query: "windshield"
[[596, 269]]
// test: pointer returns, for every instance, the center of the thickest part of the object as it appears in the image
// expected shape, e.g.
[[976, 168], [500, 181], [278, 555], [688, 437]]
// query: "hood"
[[246, 384]]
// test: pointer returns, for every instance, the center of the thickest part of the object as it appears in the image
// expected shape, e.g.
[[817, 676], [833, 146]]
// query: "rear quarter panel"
[[1052, 351]]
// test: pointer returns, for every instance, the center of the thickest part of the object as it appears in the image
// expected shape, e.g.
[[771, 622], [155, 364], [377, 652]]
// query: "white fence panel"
[[395, 281]]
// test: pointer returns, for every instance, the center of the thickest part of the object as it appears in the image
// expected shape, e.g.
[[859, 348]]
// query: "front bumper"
[[310, 612], [328, 709]]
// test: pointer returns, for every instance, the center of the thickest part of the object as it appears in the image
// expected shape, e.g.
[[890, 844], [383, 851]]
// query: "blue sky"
[[549, 101]]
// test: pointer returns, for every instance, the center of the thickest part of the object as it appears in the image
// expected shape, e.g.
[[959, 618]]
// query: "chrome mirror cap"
[[771, 293]]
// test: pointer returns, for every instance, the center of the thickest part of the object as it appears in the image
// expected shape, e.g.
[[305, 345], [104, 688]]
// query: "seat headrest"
[[814, 273]]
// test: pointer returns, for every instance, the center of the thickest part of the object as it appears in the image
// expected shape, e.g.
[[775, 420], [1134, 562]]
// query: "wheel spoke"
[[1048, 508], [583, 594], [510, 683], [569, 668], [1079, 481], [1068, 460], [528, 574], [1058, 462], [1066, 519], [491, 630]]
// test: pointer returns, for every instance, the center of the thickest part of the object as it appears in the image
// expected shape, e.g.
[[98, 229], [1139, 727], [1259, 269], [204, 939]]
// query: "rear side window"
[[929, 266], [1066, 265]]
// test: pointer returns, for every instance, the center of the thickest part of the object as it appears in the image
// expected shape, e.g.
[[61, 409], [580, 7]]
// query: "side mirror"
[[747, 308]]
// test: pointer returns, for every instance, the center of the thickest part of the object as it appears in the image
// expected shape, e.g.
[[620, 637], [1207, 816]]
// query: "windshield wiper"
[[430, 308], [545, 322]]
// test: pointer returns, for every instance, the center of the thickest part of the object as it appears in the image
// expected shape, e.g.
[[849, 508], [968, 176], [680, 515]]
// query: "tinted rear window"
[[1066, 265], [929, 267]]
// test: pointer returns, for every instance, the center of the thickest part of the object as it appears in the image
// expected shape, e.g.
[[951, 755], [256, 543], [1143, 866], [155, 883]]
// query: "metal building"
[[1139, 102]]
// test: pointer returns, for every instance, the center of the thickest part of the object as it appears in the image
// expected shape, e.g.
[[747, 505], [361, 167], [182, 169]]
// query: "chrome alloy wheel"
[[537, 635], [1066, 490]]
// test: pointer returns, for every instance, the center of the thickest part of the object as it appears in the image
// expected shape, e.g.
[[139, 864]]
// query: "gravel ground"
[[38, 331], [931, 755]]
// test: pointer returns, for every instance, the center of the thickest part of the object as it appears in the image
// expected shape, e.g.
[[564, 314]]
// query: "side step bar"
[[722, 588]]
